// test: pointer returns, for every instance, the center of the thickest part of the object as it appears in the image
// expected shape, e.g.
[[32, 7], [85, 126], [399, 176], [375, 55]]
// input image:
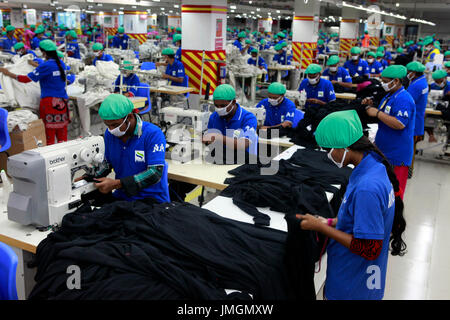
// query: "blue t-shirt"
[[35, 43], [375, 68], [135, 156], [264, 47], [397, 145], [418, 89], [323, 50], [104, 57], [446, 89], [7, 44], [132, 82], [176, 70], [74, 48], [242, 125], [49, 78], [384, 63], [323, 91], [238, 44], [283, 59], [120, 42], [278, 114], [360, 69], [261, 62], [28, 51], [388, 55], [367, 212], [178, 54], [341, 75]]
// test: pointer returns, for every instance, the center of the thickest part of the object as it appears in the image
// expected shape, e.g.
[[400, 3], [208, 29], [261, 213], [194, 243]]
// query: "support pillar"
[[135, 24], [374, 34], [389, 30], [110, 23], [349, 31], [16, 20], [305, 27], [174, 21], [265, 25], [208, 19], [152, 21]]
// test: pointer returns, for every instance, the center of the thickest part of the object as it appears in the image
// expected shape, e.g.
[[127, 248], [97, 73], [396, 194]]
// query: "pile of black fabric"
[[444, 108], [170, 251]]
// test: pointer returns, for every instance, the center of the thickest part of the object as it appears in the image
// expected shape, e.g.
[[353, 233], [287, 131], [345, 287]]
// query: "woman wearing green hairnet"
[[97, 48], [370, 219], [72, 48], [130, 81]]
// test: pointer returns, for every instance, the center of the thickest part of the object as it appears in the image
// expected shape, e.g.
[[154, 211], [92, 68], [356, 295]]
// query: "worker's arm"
[[176, 79], [348, 85], [284, 124], [390, 121], [316, 101], [133, 184]]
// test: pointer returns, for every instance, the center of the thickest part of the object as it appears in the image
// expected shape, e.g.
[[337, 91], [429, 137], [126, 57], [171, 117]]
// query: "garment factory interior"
[[232, 150]]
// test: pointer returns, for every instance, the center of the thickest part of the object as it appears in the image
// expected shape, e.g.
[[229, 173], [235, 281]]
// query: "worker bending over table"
[[99, 53], [440, 83], [370, 220], [319, 91], [129, 79], [240, 42], [356, 66], [38, 36], [121, 39], [336, 74], [72, 48]]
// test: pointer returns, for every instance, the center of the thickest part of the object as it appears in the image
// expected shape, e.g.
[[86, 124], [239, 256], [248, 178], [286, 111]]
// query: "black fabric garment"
[[444, 108], [138, 250]]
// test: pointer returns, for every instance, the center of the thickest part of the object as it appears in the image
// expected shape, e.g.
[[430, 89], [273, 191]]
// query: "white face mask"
[[222, 112], [333, 69], [354, 58], [370, 60], [386, 86], [275, 102], [117, 132], [410, 76], [314, 81], [341, 164], [98, 54], [442, 84]]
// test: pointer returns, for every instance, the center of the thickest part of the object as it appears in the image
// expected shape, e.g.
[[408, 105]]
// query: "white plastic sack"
[[20, 118]]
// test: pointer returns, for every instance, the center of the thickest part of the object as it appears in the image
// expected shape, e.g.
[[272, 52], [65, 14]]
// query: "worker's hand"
[[334, 81], [310, 222], [367, 101], [314, 101], [372, 112], [107, 185], [165, 76], [211, 137], [128, 94], [3, 70]]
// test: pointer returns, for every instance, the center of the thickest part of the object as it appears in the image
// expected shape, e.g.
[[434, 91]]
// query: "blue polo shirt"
[[367, 212], [146, 148], [7, 44], [132, 82], [323, 91], [49, 78], [261, 62], [388, 55], [35, 43], [178, 54], [176, 70], [264, 47], [31, 52], [73, 47], [238, 44], [360, 69], [283, 59], [120, 42], [446, 89], [285, 111], [375, 67], [323, 50], [418, 89], [384, 63], [242, 125], [341, 75], [104, 57], [397, 145]]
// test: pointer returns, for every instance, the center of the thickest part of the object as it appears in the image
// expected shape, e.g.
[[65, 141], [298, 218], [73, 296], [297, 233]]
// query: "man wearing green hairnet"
[[121, 39], [99, 54], [282, 58], [177, 42], [336, 74], [38, 36], [319, 91], [333, 42], [364, 231], [431, 49], [280, 111], [175, 72], [440, 82], [130, 81], [396, 116], [72, 48], [8, 41], [231, 126], [356, 66], [322, 48], [240, 42], [447, 68], [135, 149]]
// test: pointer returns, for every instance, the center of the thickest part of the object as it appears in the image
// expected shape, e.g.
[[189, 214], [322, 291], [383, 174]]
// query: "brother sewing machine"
[[43, 180]]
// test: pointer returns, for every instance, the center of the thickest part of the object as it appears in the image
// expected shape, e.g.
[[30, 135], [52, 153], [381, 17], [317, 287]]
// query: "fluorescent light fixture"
[[397, 4], [232, 10], [87, 11], [163, 9], [120, 12], [232, 7], [360, 7], [100, 4], [422, 21], [134, 7], [170, 11], [156, 0], [258, 9], [278, 11], [176, 5], [114, 10], [121, 8]]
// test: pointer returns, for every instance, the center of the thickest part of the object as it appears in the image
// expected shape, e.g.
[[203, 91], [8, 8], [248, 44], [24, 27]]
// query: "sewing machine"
[[260, 114], [43, 180], [434, 97], [184, 127]]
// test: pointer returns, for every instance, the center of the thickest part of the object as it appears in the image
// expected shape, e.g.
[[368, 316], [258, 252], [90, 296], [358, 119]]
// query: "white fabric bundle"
[[148, 49], [20, 118]]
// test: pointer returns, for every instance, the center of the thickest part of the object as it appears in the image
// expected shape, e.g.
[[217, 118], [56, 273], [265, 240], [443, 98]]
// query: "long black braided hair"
[[53, 55]]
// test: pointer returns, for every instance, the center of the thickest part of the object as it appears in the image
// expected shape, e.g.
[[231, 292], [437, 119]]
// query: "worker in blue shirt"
[[231, 126], [72, 48], [381, 60], [177, 42], [383, 41], [8, 41], [39, 35], [281, 38], [397, 117], [135, 150], [264, 45], [20, 49], [100, 55], [447, 68], [130, 81], [357, 67], [121, 39], [440, 83], [322, 49], [239, 42], [280, 111], [248, 43], [447, 55], [375, 68], [319, 91], [336, 74], [370, 220], [252, 60], [48, 35], [175, 72], [282, 58]]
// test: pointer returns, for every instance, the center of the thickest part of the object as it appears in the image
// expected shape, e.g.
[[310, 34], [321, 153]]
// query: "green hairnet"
[[394, 71], [168, 52], [400, 50], [33, 26], [39, 30], [281, 35], [110, 37], [97, 46], [277, 88], [115, 106], [355, 50], [379, 49], [437, 45], [248, 41], [3, 33], [278, 47], [10, 28], [447, 64], [72, 33], [47, 45], [427, 41], [121, 30], [439, 74], [339, 129], [242, 34], [254, 50], [415, 66], [320, 42], [447, 53], [88, 33], [333, 60], [380, 54], [263, 41], [178, 29], [228, 30], [60, 54], [127, 65], [18, 46], [313, 68], [371, 54], [224, 92], [177, 37], [366, 32]]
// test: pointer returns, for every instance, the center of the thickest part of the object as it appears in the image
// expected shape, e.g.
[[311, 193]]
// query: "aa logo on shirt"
[[320, 94], [158, 148], [359, 68], [404, 114], [139, 156], [339, 79]]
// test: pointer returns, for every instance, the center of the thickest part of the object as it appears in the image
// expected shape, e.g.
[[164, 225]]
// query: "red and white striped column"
[[110, 23], [208, 19], [135, 24], [349, 30], [305, 27]]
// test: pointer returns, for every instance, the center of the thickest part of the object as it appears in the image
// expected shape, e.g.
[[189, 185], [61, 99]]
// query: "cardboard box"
[[24, 140]]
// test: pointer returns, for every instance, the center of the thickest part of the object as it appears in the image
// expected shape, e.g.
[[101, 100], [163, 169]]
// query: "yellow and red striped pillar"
[[389, 30], [135, 24], [110, 23], [374, 34], [208, 18], [348, 31]]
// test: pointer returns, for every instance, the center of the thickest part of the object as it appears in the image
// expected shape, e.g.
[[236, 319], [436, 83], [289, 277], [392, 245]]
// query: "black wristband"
[[377, 114]]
